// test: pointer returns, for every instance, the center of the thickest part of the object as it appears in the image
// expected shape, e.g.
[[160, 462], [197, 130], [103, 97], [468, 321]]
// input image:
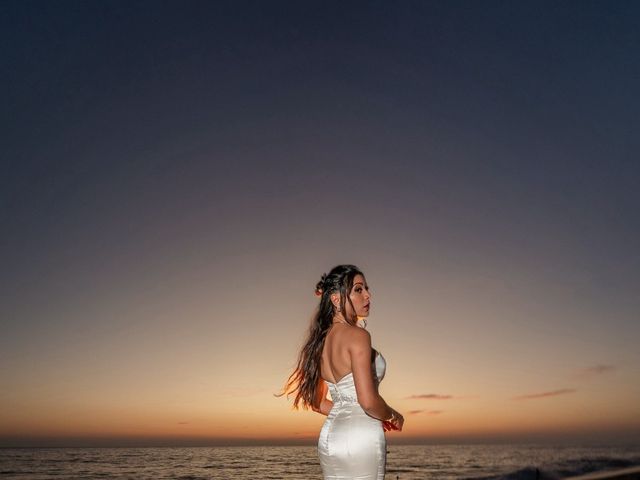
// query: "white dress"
[[352, 444]]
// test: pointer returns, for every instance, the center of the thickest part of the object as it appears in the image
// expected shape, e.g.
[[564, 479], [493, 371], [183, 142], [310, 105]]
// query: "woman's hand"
[[394, 423], [388, 426]]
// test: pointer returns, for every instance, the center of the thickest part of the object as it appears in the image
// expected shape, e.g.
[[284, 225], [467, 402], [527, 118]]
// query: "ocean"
[[404, 462]]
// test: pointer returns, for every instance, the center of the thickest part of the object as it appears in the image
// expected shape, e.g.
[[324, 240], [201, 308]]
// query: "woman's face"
[[360, 297]]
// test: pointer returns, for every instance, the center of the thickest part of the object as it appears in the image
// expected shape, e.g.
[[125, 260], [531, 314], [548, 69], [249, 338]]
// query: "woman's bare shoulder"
[[359, 338]]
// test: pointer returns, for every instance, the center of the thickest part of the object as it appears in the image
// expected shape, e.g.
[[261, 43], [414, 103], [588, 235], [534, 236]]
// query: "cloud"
[[594, 371], [430, 396], [553, 393], [428, 412]]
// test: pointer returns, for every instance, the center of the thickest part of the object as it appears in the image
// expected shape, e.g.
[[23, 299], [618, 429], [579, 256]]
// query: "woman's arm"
[[321, 403], [366, 389]]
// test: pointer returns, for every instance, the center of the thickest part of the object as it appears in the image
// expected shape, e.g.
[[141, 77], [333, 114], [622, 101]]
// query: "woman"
[[337, 358]]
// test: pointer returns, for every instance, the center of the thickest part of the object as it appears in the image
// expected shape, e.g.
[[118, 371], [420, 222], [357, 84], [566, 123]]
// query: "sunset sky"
[[178, 175]]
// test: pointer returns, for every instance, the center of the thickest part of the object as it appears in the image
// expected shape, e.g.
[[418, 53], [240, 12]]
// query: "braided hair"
[[305, 377]]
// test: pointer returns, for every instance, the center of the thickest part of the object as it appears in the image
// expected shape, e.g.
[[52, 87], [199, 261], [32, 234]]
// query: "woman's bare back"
[[335, 362]]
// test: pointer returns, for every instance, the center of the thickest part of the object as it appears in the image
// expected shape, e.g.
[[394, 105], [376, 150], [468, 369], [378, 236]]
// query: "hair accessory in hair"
[[320, 285]]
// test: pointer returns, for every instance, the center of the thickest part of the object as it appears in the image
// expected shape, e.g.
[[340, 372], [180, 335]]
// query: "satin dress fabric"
[[352, 444]]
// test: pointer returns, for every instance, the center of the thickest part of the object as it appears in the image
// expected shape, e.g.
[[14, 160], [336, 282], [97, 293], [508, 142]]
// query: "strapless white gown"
[[352, 444]]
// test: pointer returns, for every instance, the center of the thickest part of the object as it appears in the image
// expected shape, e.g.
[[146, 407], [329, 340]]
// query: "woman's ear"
[[335, 299]]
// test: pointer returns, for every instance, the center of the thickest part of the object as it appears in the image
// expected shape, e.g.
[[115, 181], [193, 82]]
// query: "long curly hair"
[[305, 376]]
